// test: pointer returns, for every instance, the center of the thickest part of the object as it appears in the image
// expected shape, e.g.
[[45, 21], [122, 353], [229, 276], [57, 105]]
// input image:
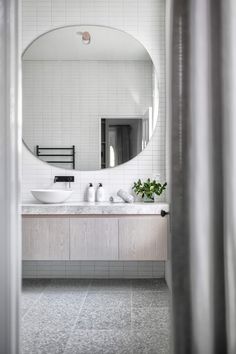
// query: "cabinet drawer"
[[143, 238], [93, 239], [45, 238]]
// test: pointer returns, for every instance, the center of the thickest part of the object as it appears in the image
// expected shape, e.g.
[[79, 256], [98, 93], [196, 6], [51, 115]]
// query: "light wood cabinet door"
[[143, 238], [93, 238], [45, 238]]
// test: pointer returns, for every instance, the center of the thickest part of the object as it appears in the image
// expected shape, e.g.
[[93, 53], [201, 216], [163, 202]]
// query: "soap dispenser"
[[91, 193], [100, 193]]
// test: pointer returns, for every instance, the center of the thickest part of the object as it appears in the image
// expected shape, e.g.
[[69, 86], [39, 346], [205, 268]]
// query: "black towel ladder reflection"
[[72, 154]]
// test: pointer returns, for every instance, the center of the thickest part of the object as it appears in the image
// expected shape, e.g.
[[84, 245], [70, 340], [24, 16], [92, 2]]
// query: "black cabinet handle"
[[164, 213]]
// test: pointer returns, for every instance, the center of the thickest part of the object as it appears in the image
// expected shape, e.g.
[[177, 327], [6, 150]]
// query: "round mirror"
[[90, 97]]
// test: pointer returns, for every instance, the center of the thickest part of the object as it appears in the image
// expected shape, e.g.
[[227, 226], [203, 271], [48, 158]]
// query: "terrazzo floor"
[[95, 316]]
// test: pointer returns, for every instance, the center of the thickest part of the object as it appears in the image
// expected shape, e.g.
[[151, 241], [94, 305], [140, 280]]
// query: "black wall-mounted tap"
[[67, 179], [64, 179]]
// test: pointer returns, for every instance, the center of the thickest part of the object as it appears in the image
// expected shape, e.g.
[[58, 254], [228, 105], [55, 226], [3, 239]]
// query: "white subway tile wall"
[[96, 269], [145, 20]]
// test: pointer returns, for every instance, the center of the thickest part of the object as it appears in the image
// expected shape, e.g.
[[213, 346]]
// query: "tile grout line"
[[35, 302], [131, 311], [77, 317]]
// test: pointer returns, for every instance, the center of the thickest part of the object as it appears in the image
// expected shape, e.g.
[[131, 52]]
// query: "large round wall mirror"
[[90, 97]]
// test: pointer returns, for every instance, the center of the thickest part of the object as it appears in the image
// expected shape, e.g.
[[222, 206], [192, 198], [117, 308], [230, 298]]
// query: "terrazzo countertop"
[[85, 208]]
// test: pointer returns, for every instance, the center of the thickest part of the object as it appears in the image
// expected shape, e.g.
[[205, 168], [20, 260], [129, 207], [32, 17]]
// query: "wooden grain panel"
[[143, 238], [93, 239], [45, 238]]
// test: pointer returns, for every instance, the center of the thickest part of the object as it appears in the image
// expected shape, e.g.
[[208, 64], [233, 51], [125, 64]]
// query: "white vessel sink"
[[51, 196]]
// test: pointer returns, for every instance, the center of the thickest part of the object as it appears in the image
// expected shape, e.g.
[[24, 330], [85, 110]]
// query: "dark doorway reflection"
[[122, 139]]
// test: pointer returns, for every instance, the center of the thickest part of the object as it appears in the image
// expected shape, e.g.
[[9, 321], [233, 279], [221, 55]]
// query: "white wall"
[[64, 101], [145, 20]]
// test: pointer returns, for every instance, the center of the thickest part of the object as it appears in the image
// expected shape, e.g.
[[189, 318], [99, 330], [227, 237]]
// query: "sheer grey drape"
[[10, 142], [203, 217]]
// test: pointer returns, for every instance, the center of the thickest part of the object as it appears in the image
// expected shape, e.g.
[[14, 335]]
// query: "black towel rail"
[[72, 161]]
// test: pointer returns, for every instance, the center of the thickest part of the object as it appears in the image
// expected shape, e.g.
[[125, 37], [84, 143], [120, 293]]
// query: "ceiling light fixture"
[[86, 37]]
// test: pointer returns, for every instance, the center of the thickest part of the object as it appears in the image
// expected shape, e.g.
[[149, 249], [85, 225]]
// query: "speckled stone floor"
[[95, 316]]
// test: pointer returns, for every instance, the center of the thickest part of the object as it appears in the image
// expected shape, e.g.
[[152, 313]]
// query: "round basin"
[[51, 196]]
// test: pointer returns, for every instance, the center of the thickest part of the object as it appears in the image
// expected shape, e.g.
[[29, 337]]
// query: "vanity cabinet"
[[69, 237], [143, 238], [93, 238], [45, 238]]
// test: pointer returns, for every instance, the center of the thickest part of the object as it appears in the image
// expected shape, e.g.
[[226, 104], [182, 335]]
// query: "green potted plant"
[[148, 189]]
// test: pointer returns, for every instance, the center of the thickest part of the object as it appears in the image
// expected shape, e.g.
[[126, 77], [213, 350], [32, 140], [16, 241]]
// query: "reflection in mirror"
[[122, 139], [90, 97]]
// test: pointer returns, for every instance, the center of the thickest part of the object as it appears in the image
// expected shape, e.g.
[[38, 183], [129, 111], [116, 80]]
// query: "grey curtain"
[[10, 145], [123, 143], [203, 176]]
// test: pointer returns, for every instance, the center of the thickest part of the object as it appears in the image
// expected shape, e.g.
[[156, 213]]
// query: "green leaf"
[[148, 188]]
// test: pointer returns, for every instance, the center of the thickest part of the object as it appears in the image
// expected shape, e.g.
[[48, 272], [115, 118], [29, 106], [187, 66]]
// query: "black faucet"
[[68, 179]]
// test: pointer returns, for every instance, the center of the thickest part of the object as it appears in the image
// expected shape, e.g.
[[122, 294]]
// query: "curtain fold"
[[203, 219], [123, 143], [10, 147], [229, 148]]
